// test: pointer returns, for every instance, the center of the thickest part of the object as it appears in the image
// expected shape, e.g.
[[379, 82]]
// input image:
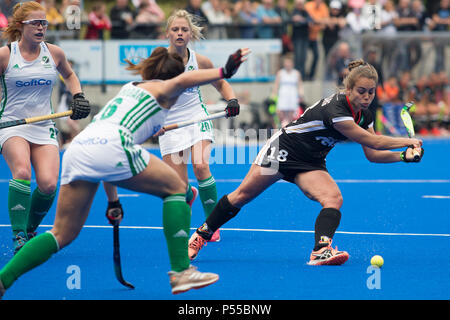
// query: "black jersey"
[[304, 143], [314, 135]]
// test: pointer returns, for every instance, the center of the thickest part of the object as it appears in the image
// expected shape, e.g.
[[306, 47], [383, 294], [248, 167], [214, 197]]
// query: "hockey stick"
[[407, 121], [116, 257], [114, 216], [13, 123], [189, 122]]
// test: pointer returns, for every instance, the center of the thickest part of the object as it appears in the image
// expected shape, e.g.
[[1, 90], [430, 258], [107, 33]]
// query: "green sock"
[[19, 204], [189, 193], [40, 204], [208, 194], [176, 223], [33, 253]]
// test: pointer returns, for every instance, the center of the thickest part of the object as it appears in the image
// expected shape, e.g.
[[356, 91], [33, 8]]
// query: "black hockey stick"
[[114, 216], [116, 257]]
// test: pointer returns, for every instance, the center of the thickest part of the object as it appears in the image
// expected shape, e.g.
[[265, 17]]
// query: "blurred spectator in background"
[[288, 92], [148, 21], [248, 18], [98, 21], [319, 12], [3, 21], [152, 7], [333, 26], [54, 17], [282, 32], [301, 21], [6, 6], [122, 20], [388, 16], [341, 61], [440, 22], [356, 23], [194, 7], [218, 15], [269, 19]]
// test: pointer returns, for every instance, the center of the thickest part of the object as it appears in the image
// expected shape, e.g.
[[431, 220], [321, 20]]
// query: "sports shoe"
[[190, 279], [196, 242], [327, 256], [195, 192], [215, 237], [19, 241]]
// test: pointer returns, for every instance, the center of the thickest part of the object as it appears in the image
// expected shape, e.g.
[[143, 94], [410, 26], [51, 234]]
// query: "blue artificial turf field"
[[400, 211]]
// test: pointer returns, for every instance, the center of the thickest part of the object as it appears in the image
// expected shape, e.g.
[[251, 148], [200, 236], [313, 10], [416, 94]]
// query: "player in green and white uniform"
[[108, 150], [28, 68], [177, 145]]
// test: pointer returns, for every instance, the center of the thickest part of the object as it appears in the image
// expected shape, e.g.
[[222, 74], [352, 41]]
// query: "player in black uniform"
[[297, 154]]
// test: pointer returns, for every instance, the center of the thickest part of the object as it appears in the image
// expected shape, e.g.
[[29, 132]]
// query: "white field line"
[[268, 230]]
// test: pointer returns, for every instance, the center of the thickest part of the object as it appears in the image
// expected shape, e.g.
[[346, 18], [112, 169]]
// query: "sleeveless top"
[[27, 85], [189, 104], [134, 110]]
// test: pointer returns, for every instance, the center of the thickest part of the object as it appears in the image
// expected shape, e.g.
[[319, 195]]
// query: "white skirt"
[[103, 156], [33, 133], [180, 139]]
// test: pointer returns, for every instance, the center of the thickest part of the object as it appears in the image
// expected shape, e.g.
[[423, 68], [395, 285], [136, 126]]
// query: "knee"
[[176, 186], [48, 187], [332, 201], [22, 172], [201, 170]]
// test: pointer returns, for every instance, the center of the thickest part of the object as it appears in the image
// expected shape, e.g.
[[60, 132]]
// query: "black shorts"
[[286, 159]]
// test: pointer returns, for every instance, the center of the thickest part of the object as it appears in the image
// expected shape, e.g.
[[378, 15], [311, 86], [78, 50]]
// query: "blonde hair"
[[192, 20], [20, 13], [359, 69]]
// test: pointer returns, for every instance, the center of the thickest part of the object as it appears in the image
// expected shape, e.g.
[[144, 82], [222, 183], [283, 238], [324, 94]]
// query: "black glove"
[[233, 63], [114, 212], [80, 107], [232, 108], [404, 159]]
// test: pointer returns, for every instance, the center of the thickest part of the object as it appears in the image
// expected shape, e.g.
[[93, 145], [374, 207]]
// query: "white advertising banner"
[[99, 62]]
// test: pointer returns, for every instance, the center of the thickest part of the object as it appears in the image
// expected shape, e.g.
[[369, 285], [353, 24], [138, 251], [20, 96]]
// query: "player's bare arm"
[[378, 142], [4, 59], [222, 86]]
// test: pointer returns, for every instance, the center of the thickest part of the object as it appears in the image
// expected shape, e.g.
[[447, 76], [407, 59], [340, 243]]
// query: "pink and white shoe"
[[215, 237], [195, 192], [327, 256]]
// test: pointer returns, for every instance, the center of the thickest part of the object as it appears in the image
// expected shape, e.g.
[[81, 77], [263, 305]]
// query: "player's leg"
[[318, 185], [45, 160], [201, 153], [161, 180], [16, 152], [178, 162], [74, 202], [255, 182]]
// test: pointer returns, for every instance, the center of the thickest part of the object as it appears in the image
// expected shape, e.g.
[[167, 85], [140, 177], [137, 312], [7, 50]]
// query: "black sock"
[[221, 214], [325, 227]]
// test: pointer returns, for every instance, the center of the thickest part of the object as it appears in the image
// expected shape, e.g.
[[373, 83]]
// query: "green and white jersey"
[[135, 110], [189, 104], [27, 85]]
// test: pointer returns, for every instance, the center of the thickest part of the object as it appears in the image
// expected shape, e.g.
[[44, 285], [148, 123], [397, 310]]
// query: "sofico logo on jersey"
[[33, 83]]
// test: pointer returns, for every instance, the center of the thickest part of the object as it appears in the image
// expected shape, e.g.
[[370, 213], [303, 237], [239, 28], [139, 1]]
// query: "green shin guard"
[[208, 194], [40, 205], [176, 223], [34, 253], [19, 204]]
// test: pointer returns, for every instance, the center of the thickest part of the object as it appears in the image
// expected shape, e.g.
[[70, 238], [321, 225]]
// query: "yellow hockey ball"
[[377, 261]]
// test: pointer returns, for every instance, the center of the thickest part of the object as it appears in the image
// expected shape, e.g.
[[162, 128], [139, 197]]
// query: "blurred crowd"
[[304, 26]]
